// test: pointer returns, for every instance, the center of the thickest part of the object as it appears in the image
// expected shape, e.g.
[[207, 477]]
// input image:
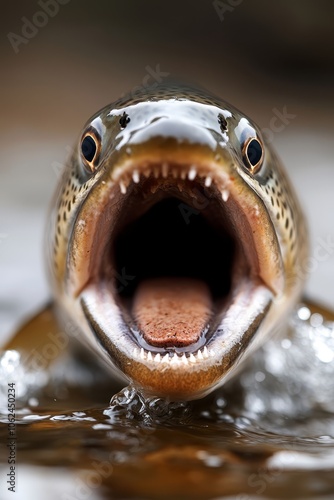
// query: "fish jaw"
[[155, 152], [246, 312], [174, 375]]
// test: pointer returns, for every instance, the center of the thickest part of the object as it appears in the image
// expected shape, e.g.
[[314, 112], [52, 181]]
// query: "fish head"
[[176, 241]]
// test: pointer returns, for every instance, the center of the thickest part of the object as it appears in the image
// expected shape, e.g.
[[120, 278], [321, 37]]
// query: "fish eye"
[[253, 154], [90, 150]]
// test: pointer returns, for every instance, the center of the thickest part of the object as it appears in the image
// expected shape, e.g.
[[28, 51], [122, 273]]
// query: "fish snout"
[[180, 131]]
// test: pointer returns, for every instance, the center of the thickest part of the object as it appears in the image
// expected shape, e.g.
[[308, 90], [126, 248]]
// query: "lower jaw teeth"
[[172, 359]]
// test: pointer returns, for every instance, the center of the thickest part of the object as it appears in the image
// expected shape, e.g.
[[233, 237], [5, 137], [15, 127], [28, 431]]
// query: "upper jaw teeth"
[[164, 170], [135, 176], [225, 194], [172, 359], [192, 173], [122, 187]]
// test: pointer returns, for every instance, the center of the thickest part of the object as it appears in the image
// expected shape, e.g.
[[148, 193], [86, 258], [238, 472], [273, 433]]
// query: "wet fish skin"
[[173, 124]]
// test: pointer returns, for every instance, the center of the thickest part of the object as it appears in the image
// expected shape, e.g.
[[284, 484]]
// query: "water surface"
[[269, 434]]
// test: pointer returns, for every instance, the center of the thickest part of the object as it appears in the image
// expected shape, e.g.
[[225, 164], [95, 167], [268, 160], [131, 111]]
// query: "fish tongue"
[[172, 312]]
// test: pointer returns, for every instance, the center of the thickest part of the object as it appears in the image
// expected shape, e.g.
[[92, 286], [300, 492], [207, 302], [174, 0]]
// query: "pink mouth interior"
[[175, 260], [172, 312]]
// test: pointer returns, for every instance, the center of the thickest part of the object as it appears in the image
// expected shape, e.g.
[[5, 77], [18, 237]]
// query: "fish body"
[[175, 240]]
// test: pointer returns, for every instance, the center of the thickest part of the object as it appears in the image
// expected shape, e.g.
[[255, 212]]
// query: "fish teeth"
[[165, 358], [146, 172], [156, 172], [200, 355], [172, 359], [225, 194], [179, 185], [122, 187], [153, 188], [192, 358], [192, 173], [208, 181], [135, 176], [175, 360], [164, 169], [183, 174]]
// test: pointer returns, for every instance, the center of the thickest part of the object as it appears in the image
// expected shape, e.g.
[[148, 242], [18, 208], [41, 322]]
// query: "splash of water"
[[131, 404]]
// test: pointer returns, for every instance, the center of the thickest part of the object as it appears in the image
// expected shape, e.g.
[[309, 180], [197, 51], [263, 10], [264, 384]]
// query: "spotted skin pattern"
[[272, 187], [73, 189], [287, 218], [149, 126]]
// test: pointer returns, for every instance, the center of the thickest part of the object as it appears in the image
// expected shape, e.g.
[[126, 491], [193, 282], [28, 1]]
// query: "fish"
[[176, 243]]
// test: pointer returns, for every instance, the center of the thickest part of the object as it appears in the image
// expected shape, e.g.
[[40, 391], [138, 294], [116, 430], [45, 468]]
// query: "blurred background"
[[64, 59]]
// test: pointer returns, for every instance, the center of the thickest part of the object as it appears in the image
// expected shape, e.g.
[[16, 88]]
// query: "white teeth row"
[[174, 359], [164, 171]]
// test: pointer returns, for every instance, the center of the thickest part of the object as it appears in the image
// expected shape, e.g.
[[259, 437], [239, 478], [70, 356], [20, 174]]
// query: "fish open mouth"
[[175, 285]]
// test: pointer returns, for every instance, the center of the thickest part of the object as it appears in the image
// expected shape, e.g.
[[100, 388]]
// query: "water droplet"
[[221, 402], [33, 402], [286, 343], [259, 376], [98, 427], [304, 313], [316, 320], [9, 361]]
